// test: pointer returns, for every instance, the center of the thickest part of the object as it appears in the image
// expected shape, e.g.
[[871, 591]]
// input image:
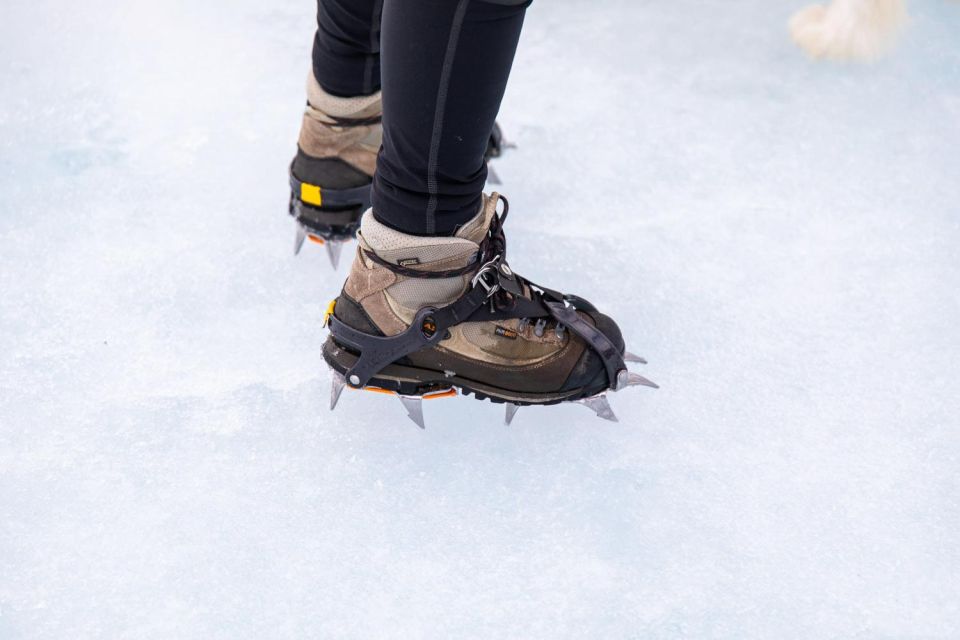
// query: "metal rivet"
[[354, 380]]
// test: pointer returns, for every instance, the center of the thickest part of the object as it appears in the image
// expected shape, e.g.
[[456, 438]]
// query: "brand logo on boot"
[[505, 333], [408, 262], [429, 326]]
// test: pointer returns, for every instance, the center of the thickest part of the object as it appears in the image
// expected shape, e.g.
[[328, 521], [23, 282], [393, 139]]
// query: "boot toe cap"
[[589, 372]]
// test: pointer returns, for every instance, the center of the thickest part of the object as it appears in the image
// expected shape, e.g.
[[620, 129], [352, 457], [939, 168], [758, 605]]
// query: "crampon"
[[499, 337]]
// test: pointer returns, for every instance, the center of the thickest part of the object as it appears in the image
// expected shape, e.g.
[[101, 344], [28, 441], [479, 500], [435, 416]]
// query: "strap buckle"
[[488, 277]]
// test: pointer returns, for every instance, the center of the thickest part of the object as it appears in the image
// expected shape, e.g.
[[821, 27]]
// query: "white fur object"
[[849, 29]]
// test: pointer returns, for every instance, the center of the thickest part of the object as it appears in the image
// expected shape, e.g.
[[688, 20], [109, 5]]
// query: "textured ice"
[[780, 238]]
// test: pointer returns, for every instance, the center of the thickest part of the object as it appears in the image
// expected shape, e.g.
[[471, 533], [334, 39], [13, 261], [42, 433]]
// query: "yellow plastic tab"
[[329, 311], [310, 193]]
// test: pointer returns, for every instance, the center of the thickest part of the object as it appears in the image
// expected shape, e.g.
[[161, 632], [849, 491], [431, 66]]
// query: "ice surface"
[[780, 238]]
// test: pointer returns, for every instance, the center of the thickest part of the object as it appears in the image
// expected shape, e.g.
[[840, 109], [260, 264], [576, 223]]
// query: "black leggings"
[[443, 70]]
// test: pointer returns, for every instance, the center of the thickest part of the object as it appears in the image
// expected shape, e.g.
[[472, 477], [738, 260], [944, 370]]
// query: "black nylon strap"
[[611, 356], [519, 308], [347, 123], [310, 218]]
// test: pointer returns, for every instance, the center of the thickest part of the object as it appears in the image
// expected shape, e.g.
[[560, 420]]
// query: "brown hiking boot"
[[330, 176], [332, 173], [423, 316]]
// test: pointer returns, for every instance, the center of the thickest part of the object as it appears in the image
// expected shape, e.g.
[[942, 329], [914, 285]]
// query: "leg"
[[431, 304], [340, 136], [346, 48], [445, 69], [340, 133]]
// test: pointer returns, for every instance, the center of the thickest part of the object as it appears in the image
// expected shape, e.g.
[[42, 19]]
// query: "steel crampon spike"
[[600, 406], [511, 411], [333, 251], [630, 379], [414, 407], [629, 357], [298, 239], [337, 383]]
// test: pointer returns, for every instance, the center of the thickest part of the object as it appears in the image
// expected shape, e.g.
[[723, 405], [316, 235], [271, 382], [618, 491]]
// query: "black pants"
[[443, 67]]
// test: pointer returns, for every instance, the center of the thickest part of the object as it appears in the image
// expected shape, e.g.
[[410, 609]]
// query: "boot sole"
[[414, 381]]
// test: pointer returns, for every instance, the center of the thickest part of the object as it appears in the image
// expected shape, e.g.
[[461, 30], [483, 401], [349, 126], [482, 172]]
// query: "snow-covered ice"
[[780, 238]]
